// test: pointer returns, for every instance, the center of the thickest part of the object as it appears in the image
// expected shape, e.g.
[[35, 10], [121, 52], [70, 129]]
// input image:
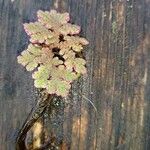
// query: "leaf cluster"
[[54, 53]]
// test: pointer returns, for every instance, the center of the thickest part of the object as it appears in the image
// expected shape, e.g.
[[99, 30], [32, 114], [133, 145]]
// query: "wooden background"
[[118, 79]]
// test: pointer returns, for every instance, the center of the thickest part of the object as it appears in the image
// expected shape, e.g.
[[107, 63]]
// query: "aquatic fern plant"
[[54, 54]]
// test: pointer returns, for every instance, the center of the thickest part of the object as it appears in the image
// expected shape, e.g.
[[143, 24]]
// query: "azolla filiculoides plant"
[[54, 52], [54, 55]]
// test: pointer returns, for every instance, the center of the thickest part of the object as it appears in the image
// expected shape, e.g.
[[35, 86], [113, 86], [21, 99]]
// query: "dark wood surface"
[[117, 82]]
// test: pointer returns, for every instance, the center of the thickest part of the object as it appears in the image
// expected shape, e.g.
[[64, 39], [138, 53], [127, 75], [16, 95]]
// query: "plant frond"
[[53, 52]]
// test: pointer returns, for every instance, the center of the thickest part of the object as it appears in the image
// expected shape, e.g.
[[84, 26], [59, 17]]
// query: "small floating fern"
[[54, 52]]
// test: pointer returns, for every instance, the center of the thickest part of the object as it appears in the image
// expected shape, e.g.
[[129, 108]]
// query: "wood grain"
[[117, 82]]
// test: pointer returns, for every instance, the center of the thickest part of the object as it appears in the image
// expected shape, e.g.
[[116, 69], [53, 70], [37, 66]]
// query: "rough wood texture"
[[118, 79]]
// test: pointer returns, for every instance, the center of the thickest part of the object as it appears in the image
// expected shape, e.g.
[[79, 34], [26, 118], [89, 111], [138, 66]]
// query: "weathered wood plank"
[[117, 81]]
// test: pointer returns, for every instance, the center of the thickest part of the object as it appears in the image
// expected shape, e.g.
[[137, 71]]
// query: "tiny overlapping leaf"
[[29, 57], [52, 19], [69, 28], [60, 87], [37, 32], [76, 40]]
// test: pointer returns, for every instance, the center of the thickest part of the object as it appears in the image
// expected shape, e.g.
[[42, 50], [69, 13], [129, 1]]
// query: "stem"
[[34, 115]]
